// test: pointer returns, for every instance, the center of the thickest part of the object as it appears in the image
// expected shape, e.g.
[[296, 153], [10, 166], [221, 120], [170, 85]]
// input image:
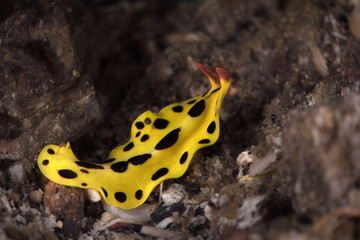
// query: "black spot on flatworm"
[[109, 160], [169, 140], [84, 171], [205, 94], [211, 128], [192, 101], [128, 147], [137, 134], [147, 120], [45, 162], [50, 151], [204, 141], [177, 109], [67, 173], [120, 196], [138, 194], [105, 192], [140, 159], [159, 173], [161, 123], [144, 138], [139, 125], [184, 158], [215, 90], [197, 109], [84, 184], [88, 165], [119, 166]]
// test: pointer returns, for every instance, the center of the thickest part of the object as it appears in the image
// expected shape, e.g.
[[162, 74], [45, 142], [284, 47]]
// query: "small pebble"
[[17, 172], [36, 196], [59, 224], [20, 219], [354, 198], [354, 22], [209, 212], [15, 197], [224, 199], [92, 195], [50, 222], [215, 200]]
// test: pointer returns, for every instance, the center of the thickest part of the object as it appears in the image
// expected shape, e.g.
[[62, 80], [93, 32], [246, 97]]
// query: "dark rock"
[[71, 229], [6, 163], [46, 96], [161, 213], [178, 207], [10, 128]]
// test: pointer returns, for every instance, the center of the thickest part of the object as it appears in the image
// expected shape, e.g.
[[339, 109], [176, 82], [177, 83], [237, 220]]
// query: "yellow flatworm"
[[161, 147]]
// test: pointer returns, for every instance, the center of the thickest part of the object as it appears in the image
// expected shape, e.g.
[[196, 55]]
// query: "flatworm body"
[[161, 147]]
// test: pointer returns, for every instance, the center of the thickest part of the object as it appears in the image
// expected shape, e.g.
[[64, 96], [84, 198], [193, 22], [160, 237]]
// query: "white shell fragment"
[[260, 165], [248, 213], [243, 160], [253, 164], [166, 222], [50, 222], [318, 59], [137, 215], [244, 157], [4, 202], [223, 200], [174, 194], [244, 217]]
